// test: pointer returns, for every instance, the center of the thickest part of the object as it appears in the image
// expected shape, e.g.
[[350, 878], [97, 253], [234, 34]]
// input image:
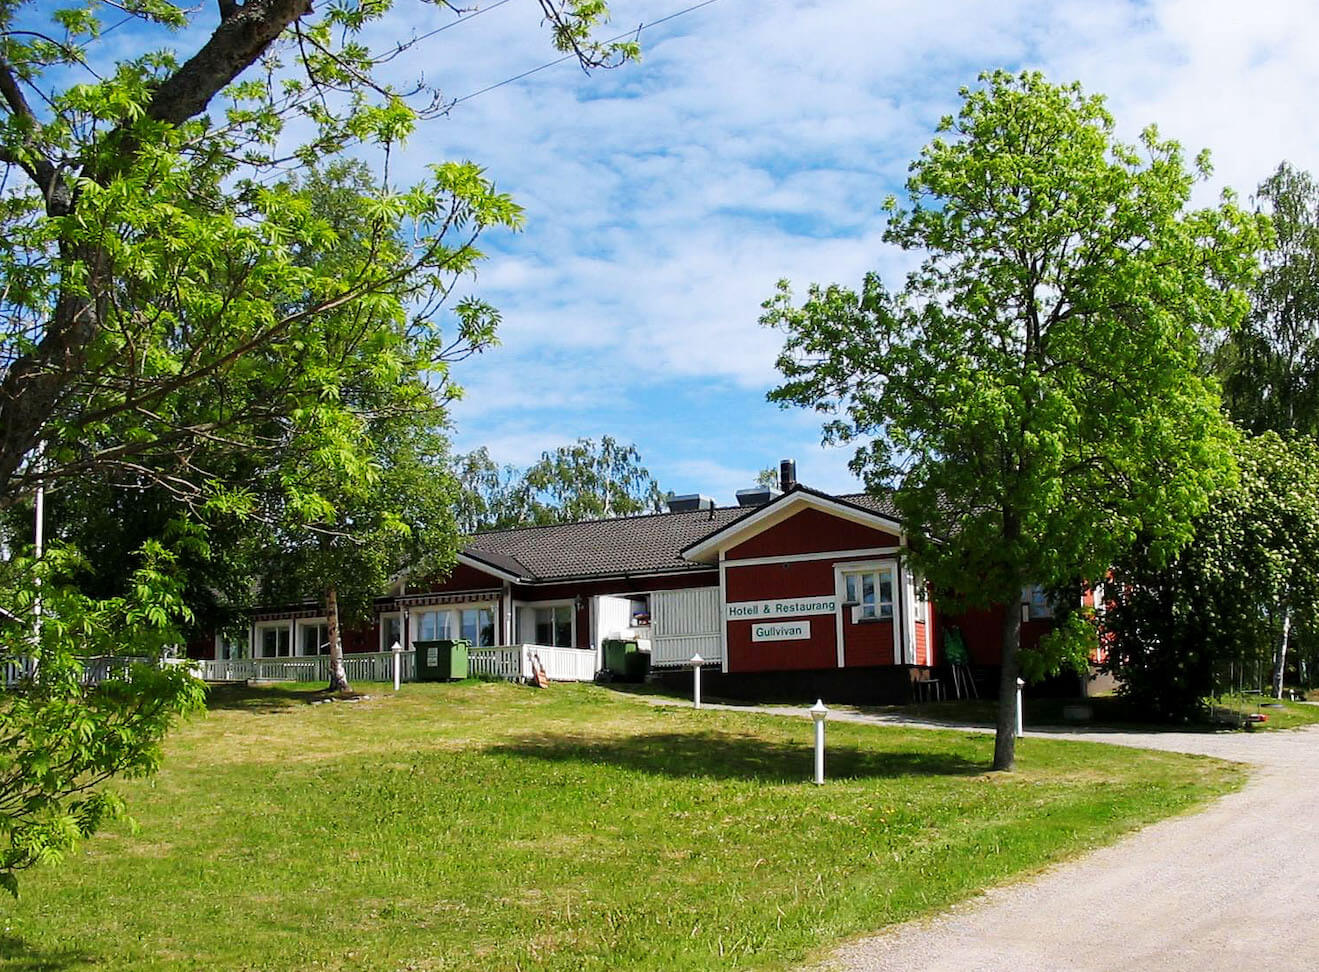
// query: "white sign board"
[[780, 607], [781, 631], [432, 656]]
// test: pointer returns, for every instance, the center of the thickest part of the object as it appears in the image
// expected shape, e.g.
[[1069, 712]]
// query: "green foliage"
[[60, 739], [1206, 622], [1270, 366], [1032, 393], [582, 481], [186, 322], [1068, 647]]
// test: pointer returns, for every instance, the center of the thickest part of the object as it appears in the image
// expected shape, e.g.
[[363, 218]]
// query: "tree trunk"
[[1280, 665], [1005, 733], [338, 677]]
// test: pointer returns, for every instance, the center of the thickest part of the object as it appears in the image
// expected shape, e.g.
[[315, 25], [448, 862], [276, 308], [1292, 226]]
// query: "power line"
[[454, 23], [569, 57]]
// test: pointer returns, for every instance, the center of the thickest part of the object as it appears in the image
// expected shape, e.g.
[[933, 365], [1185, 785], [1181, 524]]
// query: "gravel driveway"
[[1233, 887]]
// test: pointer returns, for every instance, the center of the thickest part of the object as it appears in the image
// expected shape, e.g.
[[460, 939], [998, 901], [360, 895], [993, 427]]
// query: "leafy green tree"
[[491, 496], [1270, 365], [399, 518], [165, 326], [582, 481], [61, 738], [147, 251], [1232, 599], [589, 480], [1032, 392]]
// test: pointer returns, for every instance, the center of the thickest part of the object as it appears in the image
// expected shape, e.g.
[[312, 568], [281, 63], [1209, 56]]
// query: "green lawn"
[[491, 826]]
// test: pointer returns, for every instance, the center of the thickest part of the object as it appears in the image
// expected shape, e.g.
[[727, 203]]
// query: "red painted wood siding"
[[866, 642], [821, 651], [922, 645], [810, 531], [803, 578], [982, 630], [463, 578], [754, 582]]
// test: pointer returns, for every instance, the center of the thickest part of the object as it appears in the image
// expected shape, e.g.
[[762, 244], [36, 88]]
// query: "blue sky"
[[758, 139]]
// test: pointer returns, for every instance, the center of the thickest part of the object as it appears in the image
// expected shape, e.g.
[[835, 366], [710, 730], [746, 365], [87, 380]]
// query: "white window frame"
[[259, 638], [529, 609], [859, 607], [302, 625], [456, 624]]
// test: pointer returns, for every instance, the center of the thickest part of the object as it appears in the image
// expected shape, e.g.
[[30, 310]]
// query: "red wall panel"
[[821, 651], [811, 531], [804, 578], [866, 642]]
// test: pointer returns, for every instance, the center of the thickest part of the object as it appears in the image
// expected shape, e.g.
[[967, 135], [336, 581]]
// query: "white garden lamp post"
[[1020, 685], [819, 713], [697, 662], [397, 649]]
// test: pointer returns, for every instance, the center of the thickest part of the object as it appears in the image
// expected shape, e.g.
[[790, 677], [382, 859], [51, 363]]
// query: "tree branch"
[[243, 36]]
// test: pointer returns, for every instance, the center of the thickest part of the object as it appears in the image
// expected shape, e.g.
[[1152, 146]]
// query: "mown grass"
[[491, 826]]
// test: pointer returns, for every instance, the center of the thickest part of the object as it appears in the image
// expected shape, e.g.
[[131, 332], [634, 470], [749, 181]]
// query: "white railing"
[[370, 666], [513, 662], [563, 664], [503, 661]]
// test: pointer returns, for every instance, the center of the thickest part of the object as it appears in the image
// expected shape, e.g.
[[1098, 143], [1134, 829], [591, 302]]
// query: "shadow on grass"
[[728, 757], [264, 698], [16, 955]]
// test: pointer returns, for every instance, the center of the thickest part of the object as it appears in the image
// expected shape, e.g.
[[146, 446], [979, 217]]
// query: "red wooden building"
[[790, 593]]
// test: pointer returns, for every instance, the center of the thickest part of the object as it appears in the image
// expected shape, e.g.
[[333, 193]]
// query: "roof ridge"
[[603, 519]]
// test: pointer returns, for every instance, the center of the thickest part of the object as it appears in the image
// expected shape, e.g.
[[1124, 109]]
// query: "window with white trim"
[[273, 641], [869, 593], [314, 639], [475, 624], [554, 626]]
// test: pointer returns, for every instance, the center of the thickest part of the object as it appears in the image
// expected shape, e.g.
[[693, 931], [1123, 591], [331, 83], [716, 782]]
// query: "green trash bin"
[[625, 660], [442, 660]]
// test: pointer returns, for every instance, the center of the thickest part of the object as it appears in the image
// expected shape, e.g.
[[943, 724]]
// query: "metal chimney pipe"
[[787, 474]]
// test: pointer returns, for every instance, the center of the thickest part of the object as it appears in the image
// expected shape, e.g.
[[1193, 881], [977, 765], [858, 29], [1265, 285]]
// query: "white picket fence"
[[513, 662], [516, 662], [98, 668]]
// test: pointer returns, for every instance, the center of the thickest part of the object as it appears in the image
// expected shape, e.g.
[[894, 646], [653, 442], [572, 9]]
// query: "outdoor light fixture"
[[397, 649], [819, 713], [1021, 683], [696, 663]]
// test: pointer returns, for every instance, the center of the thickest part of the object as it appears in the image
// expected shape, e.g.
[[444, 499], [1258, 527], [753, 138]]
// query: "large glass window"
[[554, 626], [314, 639], [477, 625], [274, 642], [870, 593]]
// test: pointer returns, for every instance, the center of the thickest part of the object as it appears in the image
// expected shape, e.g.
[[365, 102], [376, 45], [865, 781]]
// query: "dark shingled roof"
[[623, 545]]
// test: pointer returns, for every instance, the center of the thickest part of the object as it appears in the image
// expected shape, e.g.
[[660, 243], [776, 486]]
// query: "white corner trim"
[[723, 613]]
